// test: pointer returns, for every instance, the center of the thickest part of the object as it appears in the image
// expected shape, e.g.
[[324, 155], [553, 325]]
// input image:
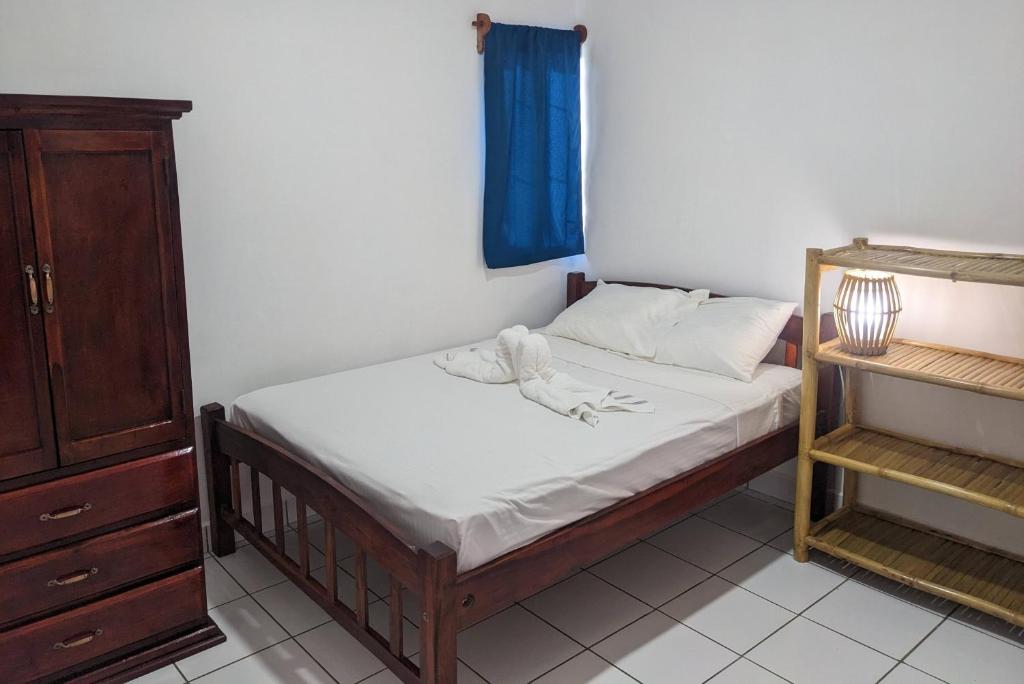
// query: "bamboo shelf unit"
[[961, 570], [929, 561], [1000, 376]]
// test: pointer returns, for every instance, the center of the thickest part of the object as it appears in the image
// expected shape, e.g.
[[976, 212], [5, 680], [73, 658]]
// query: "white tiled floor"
[[714, 598]]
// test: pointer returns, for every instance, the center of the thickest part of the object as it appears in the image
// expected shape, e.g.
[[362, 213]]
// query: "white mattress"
[[484, 470]]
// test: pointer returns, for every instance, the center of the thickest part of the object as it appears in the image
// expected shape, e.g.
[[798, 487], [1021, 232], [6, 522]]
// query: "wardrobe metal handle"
[[48, 284], [73, 578], [33, 290], [78, 640], [69, 512]]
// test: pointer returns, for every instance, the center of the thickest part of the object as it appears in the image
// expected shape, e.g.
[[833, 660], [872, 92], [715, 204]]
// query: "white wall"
[[729, 135], [330, 173]]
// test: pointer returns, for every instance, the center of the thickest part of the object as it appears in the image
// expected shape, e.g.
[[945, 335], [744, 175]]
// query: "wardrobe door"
[[100, 204], [26, 424]]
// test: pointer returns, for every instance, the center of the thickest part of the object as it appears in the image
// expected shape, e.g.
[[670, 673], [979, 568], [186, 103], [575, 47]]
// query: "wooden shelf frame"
[[940, 564], [961, 570], [965, 369], [982, 479], [975, 267]]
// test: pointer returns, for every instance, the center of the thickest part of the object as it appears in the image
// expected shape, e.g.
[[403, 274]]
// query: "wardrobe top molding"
[[50, 111]]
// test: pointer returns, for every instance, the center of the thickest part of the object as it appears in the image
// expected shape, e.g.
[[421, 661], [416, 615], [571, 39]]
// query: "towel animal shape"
[[526, 358]]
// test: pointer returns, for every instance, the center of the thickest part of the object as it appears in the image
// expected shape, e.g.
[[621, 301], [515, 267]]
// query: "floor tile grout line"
[[611, 664], [903, 600], [886, 594], [794, 617], [917, 669], [1005, 640], [652, 609], [550, 670], [835, 631], [633, 596], [249, 595], [734, 531], [368, 677], [947, 617], [738, 659], [613, 554], [775, 501], [625, 626], [725, 579], [237, 660], [295, 636], [713, 572], [466, 665], [739, 532], [887, 672], [549, 624], [756, 664], [313, 657], [918, 645], [255, 600]]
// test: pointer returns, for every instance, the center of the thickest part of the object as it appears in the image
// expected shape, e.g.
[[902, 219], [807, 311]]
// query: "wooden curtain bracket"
[[482, 24]]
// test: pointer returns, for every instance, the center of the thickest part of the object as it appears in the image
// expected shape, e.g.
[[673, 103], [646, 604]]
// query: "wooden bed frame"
[[451, 600]]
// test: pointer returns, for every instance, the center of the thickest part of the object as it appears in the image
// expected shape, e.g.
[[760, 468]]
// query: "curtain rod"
[[483, 25]]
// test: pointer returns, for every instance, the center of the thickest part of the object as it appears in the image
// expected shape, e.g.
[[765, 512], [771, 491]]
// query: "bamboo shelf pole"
[[851, 478], [808, 404]]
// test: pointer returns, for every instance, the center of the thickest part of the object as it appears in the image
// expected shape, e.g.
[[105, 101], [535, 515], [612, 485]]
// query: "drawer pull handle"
[[73, 578], [78, 640], [69, 512]]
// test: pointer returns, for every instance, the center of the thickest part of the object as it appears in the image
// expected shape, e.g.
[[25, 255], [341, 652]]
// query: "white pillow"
[[624, 318], [726, 335]]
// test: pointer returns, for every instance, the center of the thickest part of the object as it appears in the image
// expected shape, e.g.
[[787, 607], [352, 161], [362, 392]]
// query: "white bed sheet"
[[485, 471]]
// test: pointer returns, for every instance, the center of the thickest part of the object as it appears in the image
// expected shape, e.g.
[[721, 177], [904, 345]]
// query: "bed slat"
[[362, 616], [257, 506], [331, 563], [395, 618], [300, 518], [236, 488], [278, 518]]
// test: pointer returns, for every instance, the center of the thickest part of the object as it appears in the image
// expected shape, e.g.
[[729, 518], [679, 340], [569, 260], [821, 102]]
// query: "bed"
[[465, 508]]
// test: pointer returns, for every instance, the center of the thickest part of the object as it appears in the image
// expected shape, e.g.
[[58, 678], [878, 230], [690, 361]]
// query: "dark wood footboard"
[[451, 601], [428, 573]]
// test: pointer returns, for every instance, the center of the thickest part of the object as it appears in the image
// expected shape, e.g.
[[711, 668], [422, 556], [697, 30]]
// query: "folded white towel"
[[524, 357], [484, 365]]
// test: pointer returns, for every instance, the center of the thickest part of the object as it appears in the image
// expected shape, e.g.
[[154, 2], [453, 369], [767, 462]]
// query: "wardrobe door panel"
[[26, 435], [101, 209]]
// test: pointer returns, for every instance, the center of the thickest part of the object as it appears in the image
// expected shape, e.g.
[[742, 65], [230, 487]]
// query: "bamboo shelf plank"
[[977, 267], [978, 478], [1000, 376], [979, 578]]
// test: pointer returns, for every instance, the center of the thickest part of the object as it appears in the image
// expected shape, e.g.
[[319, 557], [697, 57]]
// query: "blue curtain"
[[533, 207]]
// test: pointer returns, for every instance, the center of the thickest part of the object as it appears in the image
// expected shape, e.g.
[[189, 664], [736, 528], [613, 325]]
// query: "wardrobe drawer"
[[47, 512], [54, 644], [50, 580]]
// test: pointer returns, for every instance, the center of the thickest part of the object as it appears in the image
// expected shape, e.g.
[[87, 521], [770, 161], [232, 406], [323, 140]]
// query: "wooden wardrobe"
[[101, 575]]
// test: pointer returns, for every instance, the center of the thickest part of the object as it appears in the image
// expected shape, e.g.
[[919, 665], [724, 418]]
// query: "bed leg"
[[218, 483], [438, 626]]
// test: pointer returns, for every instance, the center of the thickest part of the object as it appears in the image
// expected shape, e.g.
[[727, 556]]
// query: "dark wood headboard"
[[577, 287]]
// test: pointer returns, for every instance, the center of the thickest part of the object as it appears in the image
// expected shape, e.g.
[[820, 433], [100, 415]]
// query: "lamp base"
[[864, 350]]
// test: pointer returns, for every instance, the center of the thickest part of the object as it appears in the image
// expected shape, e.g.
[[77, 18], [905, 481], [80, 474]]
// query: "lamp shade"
[[867, 306]]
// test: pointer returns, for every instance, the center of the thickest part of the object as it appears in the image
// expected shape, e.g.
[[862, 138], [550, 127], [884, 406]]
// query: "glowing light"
[[867, 306]]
